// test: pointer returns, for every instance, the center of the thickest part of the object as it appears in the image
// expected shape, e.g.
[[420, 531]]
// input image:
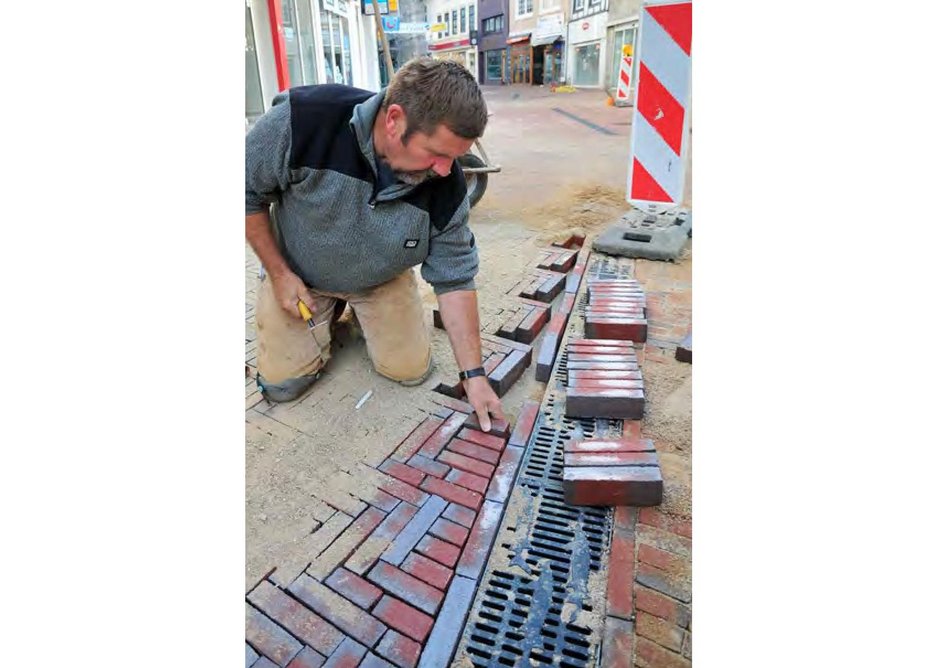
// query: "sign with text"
[[369, 10]]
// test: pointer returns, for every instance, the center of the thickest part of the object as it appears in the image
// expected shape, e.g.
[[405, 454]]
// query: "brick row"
[[296, 618], [557, 260], [341, 613]]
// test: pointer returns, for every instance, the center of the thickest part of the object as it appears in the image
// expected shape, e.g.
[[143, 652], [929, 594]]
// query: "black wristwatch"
[[471, 373]]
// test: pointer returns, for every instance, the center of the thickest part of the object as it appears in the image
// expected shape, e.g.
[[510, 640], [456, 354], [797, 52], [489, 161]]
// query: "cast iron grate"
[[529, 620]]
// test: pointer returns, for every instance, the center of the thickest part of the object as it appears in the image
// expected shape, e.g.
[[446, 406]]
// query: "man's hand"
[[289, 289], [484, 400]]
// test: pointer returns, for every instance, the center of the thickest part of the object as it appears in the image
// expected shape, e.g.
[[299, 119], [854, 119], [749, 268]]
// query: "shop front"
[[547, 50], [520, 56], [585, 65], [460, 50]]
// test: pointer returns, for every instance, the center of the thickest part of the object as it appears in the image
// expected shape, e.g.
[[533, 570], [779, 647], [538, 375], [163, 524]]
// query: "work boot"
[[287, 390]]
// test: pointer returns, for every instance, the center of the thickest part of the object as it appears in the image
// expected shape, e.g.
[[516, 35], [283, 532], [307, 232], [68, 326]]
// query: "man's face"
[[423, 156]]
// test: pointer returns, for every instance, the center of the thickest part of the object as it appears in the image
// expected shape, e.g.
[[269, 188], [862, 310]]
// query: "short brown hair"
[[432, 92]]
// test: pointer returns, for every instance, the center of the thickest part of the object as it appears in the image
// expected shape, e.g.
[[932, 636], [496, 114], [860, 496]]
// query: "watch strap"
[[472, 373]]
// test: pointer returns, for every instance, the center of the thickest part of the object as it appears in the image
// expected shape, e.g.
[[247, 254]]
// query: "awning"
[[545, 39], [518, 37]]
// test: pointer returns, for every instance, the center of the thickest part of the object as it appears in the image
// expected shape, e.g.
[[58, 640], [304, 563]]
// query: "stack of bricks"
[[542, 285], [557, 259], [616, 310], [504, 362], [394, 587], [603, 380], [526, 322], [620, 472]]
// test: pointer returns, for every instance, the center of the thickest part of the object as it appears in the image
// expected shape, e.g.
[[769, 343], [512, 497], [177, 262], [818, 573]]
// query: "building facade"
[[299, 42], [536, 41], [454, 32], [493, 35], [586, 38]]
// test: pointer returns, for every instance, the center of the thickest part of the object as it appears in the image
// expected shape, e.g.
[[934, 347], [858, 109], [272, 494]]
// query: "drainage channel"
[[542, 598]]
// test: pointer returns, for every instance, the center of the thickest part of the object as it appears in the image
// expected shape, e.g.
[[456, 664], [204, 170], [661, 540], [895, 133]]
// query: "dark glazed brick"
[[296, 618], [621, 574], [476, 551], [345, 615], [268, 638], [435, 444], [372, 661], [622, 404], [453, 493], [460, 514], [250, 656], [446, 633], [416, 438], [499, 427], [399, 650], [470, 481], [618, 637], [308, 658], [406, 587], [429, 466], [683, 352], [610, 445], [415, 529], [613, 486], [611, 459], [349, 654], [449, 531], [508, 372], [527, 416], [356, 589], [500, 486], [264, 662]]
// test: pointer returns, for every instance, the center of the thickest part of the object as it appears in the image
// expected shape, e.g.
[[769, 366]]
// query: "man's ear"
[[396, 121]]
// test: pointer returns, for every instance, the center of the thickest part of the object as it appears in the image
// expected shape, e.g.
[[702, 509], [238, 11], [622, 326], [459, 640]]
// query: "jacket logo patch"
[[411, 243]]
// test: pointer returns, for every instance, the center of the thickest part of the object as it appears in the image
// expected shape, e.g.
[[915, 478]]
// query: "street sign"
[[369, 10], [399, 27], [391, 23]]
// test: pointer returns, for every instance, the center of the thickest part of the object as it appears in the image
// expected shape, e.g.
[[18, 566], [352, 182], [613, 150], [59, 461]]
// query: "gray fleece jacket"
[[311, 159]]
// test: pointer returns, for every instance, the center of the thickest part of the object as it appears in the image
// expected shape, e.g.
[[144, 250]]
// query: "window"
[[526, 7], [493, 66], [472, 17], [439, 20], [594, 3], [462, 19], [454, 22], [586, 65], [447, 24], [550, 5], [578, 5], [493, 24]]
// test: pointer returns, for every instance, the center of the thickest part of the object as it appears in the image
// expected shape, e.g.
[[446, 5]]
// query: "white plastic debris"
[[364, 399]]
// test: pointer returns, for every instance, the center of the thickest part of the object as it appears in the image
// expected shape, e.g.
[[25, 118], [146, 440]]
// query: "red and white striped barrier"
[[625, 78], [662, 105]]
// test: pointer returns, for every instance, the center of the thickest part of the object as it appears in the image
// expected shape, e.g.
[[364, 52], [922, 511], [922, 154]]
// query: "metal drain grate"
[[535, 605]]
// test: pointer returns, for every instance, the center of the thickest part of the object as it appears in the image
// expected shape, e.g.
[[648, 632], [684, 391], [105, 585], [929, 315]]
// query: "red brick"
[[662, 606], [451, 492], [499, 427], [464, 463], [659, 558], [500, 486], [435, 444], [438, 550], [449, 531], [659, 630], [532, 325], [546, 355], [359, 591], [656, 518], [349, 654], [338, 611], [596, 374], [308, 658], [369, 551], [429, 466], [625, 517], [605, 384], [621, 573], [416, 438], [431, 572], [613, 486], [610, 445], [461, 514], [602, 357], [374, 661], [453, 404], [611, 459], [633, 329], [406, 587], [296, 618], [527, 417], [468, 480], [269, 639], [402, 472], [379, 499], [621, 404], [404, 618], [618, 640], [468, 449], [600, 350], [603, 366], [508, 329], [476, 551], [403, 491], [346, 544], [509, 371], [491, 363], [481, 438], [612, 343], [399, 650]]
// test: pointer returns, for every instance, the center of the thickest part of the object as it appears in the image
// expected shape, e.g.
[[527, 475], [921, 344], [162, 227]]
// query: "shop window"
[[586, 65], [493, 65]]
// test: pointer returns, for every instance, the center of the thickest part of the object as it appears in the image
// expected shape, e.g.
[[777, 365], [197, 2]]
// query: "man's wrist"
[[469, 374]]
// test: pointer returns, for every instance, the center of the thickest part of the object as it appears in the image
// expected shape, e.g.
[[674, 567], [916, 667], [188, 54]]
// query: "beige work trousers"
[[390, 315]]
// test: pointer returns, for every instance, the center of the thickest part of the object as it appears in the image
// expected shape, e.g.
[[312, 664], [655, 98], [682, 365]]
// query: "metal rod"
[[384, 41], [478, 170]]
